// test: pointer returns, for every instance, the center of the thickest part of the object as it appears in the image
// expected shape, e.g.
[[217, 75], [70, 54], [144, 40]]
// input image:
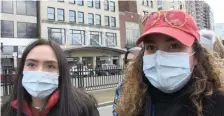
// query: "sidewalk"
[[103, 97]]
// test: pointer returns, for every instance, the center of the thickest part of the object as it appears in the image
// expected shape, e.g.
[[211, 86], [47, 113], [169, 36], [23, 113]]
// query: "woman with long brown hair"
[[172, 75]]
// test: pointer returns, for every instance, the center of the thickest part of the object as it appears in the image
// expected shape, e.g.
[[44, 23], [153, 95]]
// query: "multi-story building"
[[202, 13], [173, 4], [88, 31], [131, 14], [19, 27]]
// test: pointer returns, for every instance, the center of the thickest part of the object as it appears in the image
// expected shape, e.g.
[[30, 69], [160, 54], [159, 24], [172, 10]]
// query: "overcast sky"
[[218, 9]]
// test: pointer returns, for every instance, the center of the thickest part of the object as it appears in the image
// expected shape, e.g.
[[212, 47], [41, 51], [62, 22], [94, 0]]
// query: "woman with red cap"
[[172, 75]]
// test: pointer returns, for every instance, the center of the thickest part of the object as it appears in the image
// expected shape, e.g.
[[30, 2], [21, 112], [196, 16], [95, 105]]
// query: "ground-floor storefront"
[[94, 56]]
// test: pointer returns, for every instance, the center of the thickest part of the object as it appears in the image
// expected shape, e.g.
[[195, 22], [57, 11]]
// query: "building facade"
[[202, 13], [82, 28], [19, 27]]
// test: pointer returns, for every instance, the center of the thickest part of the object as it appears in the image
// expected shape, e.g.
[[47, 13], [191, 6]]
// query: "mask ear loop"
[[192, 54]]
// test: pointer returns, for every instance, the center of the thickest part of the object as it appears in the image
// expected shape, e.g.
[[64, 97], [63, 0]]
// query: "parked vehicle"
[[81, 70], [108, 69]]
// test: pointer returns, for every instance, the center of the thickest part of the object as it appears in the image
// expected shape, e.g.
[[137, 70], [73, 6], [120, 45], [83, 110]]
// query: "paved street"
[[106, 111]]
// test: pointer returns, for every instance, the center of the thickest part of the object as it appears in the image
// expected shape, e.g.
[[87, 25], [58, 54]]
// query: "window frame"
[[7, 12], [63, 15], [74, 17], [97, 19], [112, 8], [11, 31], [107, 21], [80, 12], [80, 1], [114, 22], [91, 14], [97, 2], [34, 35], [50, 13], [90, 3], [106, 5], [81, 33]]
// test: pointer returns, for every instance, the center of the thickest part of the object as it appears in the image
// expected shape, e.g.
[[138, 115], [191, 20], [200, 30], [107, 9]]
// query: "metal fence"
[[88, 79], [7, 79], [98, 78]]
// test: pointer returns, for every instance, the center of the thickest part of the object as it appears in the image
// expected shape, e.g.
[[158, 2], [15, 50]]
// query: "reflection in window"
[[80, 2], [26, 8], [95, 38], [80, 17], [112, 6], [57, 35], [90, 3], [77, 37], [106, 5], [72, 17], [6, 6], [98, 19], [90, 18], [113, 22], [97, 4], [7, 29], [51, 13], [107, 20], [26, 30], [111, 39], [60, 14]]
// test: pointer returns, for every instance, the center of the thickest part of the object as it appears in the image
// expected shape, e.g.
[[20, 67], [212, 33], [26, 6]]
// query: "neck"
[[38, 103]]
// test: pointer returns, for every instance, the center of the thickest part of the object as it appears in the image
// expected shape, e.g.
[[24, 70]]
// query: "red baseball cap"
[[185, 30]]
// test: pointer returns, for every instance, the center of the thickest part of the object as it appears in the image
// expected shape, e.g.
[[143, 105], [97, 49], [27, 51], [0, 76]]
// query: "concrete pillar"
[[94, 62]]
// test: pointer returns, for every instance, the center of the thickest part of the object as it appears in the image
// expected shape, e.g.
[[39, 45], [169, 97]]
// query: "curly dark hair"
[[205, 81]]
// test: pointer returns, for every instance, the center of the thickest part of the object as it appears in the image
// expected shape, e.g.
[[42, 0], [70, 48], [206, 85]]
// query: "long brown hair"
[[205, 82]]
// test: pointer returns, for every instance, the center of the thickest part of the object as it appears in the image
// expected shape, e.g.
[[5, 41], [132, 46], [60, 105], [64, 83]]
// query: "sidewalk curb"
[[105, 104]]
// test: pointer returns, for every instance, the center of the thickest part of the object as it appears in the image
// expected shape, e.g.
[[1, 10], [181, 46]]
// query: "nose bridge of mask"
[[177, 59]]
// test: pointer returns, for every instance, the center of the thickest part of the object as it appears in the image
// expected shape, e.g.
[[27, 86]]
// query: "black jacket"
[[179, 104]]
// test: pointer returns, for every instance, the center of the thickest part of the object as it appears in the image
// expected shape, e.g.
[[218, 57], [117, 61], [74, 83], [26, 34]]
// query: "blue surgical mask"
[[40, 84], [169, 72]]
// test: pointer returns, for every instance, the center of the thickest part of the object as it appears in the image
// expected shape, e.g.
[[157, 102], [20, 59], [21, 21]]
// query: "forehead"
[[42, 53]]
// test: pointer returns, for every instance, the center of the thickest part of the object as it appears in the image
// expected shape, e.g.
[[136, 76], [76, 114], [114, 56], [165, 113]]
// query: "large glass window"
[[77, 37], [7, 29], [111, 39], [95, 38], [6, 6], [26, 30], [57, 35], [26, 8]]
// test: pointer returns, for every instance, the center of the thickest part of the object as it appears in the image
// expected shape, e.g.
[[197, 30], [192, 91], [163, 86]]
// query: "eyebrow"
[[47, 61], [170, 39]]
